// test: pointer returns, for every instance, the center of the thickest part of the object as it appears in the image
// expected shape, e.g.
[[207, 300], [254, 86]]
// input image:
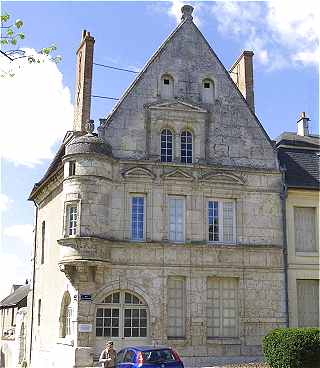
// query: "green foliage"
[[10, 36], [292, 348]]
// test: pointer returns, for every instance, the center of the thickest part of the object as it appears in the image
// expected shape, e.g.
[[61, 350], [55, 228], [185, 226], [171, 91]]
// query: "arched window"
[[166, 86], [207, 91], [122, 314], [186, 147], [166, 145], [65, 316]]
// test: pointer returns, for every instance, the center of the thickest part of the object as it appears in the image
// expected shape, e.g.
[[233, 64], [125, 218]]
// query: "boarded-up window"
[[305, 229], [308, 303], [222, 308], [176, 306]]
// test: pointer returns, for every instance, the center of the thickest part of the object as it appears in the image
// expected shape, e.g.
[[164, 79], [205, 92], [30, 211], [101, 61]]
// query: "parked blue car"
[[148, 357]]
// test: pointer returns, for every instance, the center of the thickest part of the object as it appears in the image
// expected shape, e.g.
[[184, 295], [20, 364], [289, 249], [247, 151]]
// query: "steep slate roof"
[[300, 156], [14, 298], [106, 121]]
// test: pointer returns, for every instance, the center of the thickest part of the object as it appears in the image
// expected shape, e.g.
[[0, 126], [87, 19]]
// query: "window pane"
[[176, 225], [137, 218], [186, 147], [166, 146], [228, 221]]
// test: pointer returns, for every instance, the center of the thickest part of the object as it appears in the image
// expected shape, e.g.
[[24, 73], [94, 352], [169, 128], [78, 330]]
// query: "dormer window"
[[166, 86], [207, 91]]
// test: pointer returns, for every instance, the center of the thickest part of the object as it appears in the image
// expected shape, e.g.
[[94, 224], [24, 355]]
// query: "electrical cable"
[[113, 67]]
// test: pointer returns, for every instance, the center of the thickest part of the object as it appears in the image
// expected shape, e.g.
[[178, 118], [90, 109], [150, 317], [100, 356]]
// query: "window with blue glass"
[[221, 221], [166, 145], [137, 218], [186, 147]]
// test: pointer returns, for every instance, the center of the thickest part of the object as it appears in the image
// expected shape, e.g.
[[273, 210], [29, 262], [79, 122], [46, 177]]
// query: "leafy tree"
[[11, 34]]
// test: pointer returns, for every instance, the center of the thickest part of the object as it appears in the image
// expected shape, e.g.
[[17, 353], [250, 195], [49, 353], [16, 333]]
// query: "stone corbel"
[[69, 271]]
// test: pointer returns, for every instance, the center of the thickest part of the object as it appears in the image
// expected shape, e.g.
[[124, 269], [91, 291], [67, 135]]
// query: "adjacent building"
[[165, 227], [299, 155], [13, 326]]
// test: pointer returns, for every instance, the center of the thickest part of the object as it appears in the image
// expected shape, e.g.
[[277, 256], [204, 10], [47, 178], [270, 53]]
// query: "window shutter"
[[308, 303], [175, 305], [228, 221], [305, 229]]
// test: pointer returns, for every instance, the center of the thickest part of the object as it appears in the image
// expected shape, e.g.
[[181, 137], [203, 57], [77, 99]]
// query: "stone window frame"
[[72, 167], [144, 196], [67, 205], [203, 88], [184, 198], [66, 314], [161, 84], [220, 201], [219, 280]]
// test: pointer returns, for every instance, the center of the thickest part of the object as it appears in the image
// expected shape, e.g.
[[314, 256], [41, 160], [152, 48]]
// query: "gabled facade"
[[299, 155], [166, 227]]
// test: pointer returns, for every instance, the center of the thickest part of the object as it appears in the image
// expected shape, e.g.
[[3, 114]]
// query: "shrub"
[[292, 348]]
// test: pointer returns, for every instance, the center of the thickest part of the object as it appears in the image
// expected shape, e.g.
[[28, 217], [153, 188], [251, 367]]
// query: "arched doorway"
[[121, 316]]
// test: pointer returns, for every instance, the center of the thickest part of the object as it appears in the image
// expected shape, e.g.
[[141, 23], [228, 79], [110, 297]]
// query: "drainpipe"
[[283, 197], [33, 278]]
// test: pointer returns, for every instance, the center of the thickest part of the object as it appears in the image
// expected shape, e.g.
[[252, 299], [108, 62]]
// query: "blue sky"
[[283, 38]]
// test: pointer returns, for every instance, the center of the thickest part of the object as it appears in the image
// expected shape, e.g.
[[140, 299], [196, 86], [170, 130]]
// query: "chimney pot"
[[303, 125]]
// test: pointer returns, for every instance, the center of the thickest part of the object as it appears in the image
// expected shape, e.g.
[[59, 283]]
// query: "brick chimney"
[[303, 125], [241, 73], [82, 98]]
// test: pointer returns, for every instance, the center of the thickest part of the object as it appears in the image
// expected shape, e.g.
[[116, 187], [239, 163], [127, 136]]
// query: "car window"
[[164, 355], [129, 356], [120, 356]]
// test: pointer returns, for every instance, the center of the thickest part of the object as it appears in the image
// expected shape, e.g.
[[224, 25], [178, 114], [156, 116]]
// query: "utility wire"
[[113, 67], [108, 98]]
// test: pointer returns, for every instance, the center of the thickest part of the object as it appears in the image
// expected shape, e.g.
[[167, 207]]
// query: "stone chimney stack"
[[241, 73], [82, 99], [303, 125]]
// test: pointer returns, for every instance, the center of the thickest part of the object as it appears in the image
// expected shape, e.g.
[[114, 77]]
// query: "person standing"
[[108, 356]]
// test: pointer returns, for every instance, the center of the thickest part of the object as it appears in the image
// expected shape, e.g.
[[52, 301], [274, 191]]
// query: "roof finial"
[[90, 126], [187, 12]]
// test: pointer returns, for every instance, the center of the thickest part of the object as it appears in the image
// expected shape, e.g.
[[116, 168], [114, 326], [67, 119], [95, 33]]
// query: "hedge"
[[292, 348]]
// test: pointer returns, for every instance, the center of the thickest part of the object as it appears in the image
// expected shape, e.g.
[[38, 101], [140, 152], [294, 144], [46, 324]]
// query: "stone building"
[[299, 155], [13, 327], [166, 226]]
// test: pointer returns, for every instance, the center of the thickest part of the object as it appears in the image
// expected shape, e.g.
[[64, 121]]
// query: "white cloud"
[[14, 270], [281, 33], [23, 233], [35, 110], [5, 202]]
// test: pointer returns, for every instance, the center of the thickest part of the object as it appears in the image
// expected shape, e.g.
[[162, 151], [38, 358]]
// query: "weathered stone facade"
[[232, 159]]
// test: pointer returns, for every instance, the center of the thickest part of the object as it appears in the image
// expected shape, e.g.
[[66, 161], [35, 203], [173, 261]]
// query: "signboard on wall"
[[86, 297], [85, 327]]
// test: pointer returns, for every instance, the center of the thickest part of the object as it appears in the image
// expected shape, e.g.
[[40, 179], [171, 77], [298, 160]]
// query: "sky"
[[36, 103]]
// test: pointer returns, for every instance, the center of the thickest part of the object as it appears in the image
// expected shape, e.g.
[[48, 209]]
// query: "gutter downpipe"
[[33, 279], [283, 197]]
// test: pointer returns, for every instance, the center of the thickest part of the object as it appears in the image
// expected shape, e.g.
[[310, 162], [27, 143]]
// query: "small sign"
[[85, 327], [85, 297]]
